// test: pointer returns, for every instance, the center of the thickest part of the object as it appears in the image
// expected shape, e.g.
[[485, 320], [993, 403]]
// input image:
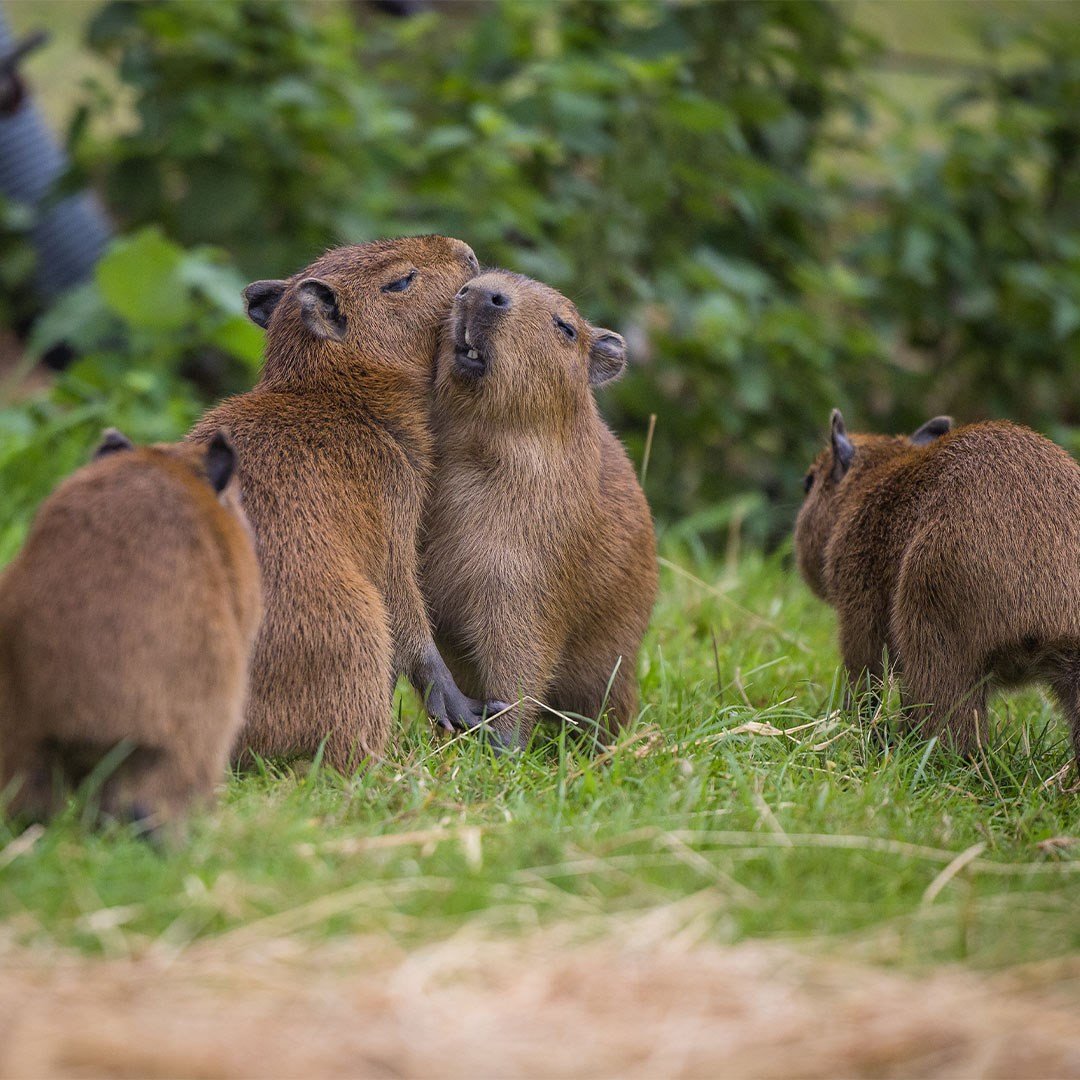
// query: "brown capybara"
[[126, 626], [538, 553], [958, 551], [334, 459]]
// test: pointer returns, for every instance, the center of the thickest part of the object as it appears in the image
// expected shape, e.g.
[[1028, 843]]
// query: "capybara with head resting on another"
[[539, 559], [958, 551], [128, 617], [335, 456]]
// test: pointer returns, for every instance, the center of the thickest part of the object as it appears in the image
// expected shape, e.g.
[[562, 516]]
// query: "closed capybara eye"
[[565, 329]]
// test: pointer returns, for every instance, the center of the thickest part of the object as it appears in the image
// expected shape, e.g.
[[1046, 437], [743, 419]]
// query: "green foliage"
[[697, 176], [653, 160], [255, 128], [17, 262], [152, 313], [973, 263]]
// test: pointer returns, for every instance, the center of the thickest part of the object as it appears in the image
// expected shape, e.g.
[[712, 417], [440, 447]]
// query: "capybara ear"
[[843, 450], [319, 309], [931, 430], [220, 460], [607, 357], [260, 299], [112, 441]]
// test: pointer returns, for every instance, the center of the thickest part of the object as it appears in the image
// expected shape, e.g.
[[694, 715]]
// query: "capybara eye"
[[402, 283], [565, 329], [808, 482]]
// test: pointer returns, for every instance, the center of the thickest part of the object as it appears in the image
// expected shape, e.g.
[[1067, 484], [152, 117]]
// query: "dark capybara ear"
[[319, 309], [260, 299], [220, 460], [843, 450], [931, 430], [112, 441], [607, 357]]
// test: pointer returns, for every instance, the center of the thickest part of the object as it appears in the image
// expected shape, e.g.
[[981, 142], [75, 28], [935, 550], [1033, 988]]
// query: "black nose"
[[472, 262], [493, 298]]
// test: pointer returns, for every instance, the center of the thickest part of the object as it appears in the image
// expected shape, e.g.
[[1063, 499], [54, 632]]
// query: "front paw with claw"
[[456, 712]]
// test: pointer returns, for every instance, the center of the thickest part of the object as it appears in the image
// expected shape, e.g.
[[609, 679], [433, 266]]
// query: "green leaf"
[[139, 278]]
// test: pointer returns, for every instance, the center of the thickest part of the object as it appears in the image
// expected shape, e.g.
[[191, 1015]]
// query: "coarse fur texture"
[[956, 551], [129, 616], [335, 456], [538, 555]]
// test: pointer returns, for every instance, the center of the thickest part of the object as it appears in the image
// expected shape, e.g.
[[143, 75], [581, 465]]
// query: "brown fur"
[[129, 615], [957, 552], [539, 560], [335, 453]]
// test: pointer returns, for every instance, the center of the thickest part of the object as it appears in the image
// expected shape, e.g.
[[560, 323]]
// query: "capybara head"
[[384, 300], [212, 463], [516, 348], [834, 472]]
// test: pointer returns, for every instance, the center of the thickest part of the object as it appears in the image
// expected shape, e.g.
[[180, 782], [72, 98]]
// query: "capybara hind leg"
[[949, 704], [605, 695], [1066, 685], [862, 646], [30, 787]]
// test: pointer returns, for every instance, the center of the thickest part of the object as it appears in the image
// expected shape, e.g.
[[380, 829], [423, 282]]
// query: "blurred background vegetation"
[[784, 206]]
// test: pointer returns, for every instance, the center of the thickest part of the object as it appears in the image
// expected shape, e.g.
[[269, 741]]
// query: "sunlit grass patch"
[[746, 786]]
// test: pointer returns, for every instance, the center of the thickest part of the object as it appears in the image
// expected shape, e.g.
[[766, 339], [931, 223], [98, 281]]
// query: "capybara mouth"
[[470, 353]]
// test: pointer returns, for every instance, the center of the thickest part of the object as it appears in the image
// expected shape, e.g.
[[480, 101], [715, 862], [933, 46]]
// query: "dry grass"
[[649, 998]]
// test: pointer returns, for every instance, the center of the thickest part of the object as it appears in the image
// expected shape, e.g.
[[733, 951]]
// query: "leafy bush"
[[152, 313], [254, 130], [692, 174], [653, 160], [973, 264], [17, 262]]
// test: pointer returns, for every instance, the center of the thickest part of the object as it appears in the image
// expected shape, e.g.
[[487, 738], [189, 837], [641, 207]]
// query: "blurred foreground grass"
[[742, 787]]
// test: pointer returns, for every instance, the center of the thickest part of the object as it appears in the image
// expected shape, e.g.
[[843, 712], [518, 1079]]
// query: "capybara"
[[335, 455], [126, 626], [958, 551], [538, 552]]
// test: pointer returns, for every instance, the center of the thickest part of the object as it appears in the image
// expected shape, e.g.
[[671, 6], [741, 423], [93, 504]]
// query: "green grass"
[[812, 833]]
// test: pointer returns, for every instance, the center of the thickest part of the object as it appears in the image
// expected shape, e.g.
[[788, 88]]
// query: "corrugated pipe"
[[70, 233]]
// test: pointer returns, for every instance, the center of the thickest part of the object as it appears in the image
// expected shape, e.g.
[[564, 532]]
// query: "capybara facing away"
[[958, 551], [335, 452], [128, 617], [538, 553]]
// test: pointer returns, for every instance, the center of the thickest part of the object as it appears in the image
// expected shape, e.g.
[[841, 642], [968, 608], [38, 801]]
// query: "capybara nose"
[[492, 298], [472, 262]]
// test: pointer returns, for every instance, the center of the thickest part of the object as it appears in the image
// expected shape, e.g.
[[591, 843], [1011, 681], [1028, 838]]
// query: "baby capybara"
[[335, 460], [958, 551], [128, 618], [538, 554]]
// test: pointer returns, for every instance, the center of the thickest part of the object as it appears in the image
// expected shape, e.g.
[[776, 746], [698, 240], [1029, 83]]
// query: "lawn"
[[745, 789]]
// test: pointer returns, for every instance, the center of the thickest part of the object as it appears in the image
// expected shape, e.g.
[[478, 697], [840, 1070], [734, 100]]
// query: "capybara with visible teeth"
[[128, 618], [335, 456], [958, 551], [538, 554]]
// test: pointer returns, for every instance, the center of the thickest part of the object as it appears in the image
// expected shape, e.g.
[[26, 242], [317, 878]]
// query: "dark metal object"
[[71, 232], [12, 88]]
